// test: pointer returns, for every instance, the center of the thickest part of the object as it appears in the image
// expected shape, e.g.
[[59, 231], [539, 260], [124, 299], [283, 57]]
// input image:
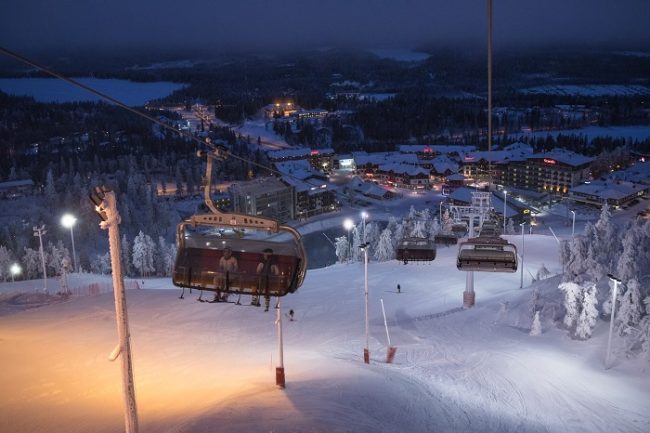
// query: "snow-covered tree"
[[630, 309], [412, 213], [606, 237], [342, 248], [419, 229], [385, 250], [644, 328], [628, 263], [356, 244], [126, 255], [101, 264], [32, 262], [5, 263], [510, 227], [434, 228], [398, 234], [372, 235], [589, 314], [542, 272], [533, 303], [54, 257], [143, 254], [536, 326], [50, 190], [572, 295]]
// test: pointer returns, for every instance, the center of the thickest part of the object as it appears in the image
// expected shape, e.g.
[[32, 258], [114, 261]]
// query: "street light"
[[15, 269], [68, 221], [40, 231], [505, 198], [611, 323], [573, 226], [364, 216], [523, 251], [348, 224], [366, 350]]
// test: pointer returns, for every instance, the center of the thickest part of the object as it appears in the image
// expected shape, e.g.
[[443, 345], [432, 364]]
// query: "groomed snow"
[[211, 367]]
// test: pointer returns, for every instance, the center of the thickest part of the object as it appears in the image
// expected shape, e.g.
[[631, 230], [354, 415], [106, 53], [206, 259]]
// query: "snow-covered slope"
[[211, 367]]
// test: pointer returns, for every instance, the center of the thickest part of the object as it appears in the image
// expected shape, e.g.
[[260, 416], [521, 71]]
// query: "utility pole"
[[106, 207], [40, 231]]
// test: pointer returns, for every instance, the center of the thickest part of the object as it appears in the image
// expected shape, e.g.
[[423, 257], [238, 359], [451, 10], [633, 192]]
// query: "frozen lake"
[[54, 90]]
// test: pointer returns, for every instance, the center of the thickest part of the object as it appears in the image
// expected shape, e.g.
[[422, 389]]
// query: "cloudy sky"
[[263, 24]]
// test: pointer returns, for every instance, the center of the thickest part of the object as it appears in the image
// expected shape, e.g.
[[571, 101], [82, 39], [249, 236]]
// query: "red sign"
[[549, 161], [315, 152], [427, 150]]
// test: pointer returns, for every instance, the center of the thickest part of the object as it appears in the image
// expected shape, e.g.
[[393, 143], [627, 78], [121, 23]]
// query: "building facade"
[[267, 197]]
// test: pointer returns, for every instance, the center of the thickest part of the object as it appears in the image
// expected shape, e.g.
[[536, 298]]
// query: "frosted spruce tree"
[[572, 297], [143, 254], [589, 314], [126, 251], [5, 263], [32, 262], [419, 229], [536, 326], [630, 309], [342, 248], [631, 257], [385, 250], [101, 264]]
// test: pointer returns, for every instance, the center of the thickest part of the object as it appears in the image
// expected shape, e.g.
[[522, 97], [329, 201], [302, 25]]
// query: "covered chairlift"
[[202, 238], [487, 254], [415, 249]]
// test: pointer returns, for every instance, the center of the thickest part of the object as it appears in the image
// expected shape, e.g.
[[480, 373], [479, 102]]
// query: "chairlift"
[[445, 239], [202, 239], [459, 228], [414, 249], [487, 254]]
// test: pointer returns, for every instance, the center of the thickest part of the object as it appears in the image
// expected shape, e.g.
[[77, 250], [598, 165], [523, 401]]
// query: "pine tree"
[[101, 264], [412, 213], [630, 309], [125, 246], [51, 196], [32, 262], [372, 236], [589, 313], [536, 327], [142, 254], [385, 250], [627, 267], [342, 248], [572, 292], [419, 230], [5, 263], [356, 244]]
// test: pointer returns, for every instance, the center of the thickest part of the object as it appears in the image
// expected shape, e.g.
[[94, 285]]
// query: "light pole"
[[611, 323], [364, 216], [40, 231], [366, 350], [505, 199], [523, 251], [348, 224], [573, 226], [68, 221], [15, 270]]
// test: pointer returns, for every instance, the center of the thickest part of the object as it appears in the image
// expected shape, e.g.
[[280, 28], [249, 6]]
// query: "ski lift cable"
[[120, 104]]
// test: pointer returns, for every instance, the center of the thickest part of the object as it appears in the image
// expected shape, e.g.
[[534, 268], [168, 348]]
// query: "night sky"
[[282, 24]]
